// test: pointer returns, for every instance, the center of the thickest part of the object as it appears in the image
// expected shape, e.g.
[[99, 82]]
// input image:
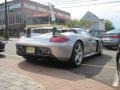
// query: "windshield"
[[41, 31]]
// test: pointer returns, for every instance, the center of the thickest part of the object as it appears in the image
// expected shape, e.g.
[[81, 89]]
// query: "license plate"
[[30, 50]]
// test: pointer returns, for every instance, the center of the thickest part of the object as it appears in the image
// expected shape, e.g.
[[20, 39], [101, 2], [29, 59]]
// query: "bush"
[[3, 36], [6, 37]]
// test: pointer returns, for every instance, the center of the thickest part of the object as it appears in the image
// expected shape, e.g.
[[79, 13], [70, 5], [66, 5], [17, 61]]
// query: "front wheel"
[[77, 54]]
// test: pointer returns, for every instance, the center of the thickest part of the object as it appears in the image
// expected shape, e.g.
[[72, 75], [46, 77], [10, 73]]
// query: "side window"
[[85, 33], [72, 30]]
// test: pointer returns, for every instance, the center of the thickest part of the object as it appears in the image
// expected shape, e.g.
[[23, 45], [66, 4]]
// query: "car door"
[[86, 42], [91, 41]]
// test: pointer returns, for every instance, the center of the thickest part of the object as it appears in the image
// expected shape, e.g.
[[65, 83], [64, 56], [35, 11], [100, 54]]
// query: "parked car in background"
[[2, 46], [111, 38], [70, 46], [2, 42]]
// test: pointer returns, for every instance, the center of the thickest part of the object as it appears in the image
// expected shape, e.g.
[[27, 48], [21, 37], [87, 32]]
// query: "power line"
[[68, 2], [72, 2], [82, 5], [91, 4]]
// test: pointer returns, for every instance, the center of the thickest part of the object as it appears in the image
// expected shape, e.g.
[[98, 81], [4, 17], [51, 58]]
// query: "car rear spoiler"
[[28, 33], [56, 33], [54, 30]]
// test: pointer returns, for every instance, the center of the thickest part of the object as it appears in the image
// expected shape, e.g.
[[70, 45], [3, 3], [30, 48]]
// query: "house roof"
[[90, 16]]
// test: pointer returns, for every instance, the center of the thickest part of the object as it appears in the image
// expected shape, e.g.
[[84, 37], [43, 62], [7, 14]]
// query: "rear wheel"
[[118, 60], [77, 54], [30, 58]]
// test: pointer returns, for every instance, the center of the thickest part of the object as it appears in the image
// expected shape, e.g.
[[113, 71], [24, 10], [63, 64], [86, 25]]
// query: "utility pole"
[[6, 20], [52, 12]]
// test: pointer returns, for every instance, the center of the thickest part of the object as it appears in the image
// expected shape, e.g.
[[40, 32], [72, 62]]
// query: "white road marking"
[[116, 80], [99, 66]]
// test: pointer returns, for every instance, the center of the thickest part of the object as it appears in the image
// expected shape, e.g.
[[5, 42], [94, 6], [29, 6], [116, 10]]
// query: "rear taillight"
[[59, 39], [116, 36]]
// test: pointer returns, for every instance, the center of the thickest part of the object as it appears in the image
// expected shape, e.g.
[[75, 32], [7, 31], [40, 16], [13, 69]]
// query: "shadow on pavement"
[[62, 70], [97, 71], [2, 56], [50, 68], [111, 48], [97, 63]]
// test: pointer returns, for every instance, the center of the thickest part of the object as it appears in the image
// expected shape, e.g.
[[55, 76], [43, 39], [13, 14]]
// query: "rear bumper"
[[110, 43], [59, 52]]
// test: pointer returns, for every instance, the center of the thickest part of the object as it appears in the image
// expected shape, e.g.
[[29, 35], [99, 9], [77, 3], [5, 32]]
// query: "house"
[[96, 23]]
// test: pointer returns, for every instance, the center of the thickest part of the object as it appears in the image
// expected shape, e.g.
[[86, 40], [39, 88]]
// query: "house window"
[[14, 6], [29, 6], [42, 9]]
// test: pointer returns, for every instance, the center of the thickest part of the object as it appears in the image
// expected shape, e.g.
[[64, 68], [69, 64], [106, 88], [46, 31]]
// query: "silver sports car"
[[72, 45]]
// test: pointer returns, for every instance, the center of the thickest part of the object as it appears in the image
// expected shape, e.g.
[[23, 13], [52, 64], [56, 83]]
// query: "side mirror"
[[28, 33]]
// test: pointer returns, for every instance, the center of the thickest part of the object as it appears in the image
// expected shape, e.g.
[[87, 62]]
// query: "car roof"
[[42, 28]]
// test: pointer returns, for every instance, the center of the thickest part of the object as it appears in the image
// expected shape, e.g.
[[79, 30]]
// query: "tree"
[[109, 25], [85, 23], [78, 23]]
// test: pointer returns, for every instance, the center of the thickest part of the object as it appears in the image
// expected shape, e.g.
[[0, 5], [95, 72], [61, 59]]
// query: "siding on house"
[[97, 24]]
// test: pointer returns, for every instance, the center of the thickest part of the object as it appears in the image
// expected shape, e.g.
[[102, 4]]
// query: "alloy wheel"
[[78, 54]]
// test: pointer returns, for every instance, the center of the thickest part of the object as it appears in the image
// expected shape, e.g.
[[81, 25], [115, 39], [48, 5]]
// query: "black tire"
[[77, 55], [118, 60], [100, 49], [108, 47], [30, 58]]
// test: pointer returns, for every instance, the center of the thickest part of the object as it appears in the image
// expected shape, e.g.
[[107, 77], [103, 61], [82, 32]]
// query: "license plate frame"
[[30, 50]]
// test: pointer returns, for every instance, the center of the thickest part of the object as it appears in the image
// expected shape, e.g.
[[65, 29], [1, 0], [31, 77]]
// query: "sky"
[[78, 8]]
